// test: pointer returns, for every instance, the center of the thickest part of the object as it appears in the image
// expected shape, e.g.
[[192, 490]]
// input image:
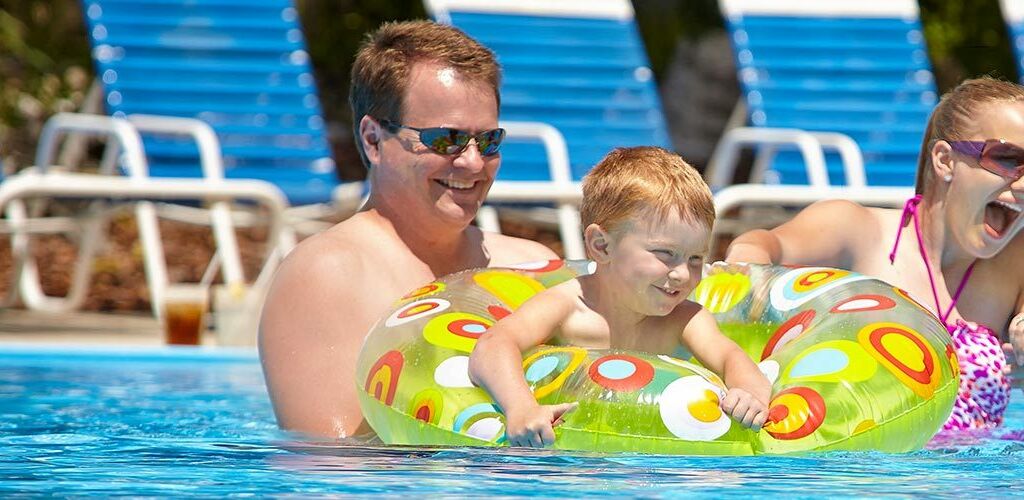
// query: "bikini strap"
[[911, 209]]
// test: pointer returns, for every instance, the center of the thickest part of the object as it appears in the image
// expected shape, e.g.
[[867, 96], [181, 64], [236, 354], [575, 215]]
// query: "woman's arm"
[[826, 234]]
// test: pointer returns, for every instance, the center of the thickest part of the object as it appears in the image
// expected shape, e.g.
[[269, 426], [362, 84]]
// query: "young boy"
[[648, 217]]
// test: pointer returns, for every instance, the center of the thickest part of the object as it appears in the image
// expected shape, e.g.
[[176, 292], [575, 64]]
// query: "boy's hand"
[[535, 426], [745, 408]]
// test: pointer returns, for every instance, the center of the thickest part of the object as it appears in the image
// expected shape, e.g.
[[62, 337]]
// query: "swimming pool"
[[189, 421]]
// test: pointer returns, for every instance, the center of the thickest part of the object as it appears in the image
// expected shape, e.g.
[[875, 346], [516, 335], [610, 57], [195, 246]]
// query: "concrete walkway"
[[22, 326]]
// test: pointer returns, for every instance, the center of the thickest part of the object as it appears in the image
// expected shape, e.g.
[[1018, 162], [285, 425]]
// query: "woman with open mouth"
[[963, 258]]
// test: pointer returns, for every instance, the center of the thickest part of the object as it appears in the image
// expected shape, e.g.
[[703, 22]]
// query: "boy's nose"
[[678, 275]]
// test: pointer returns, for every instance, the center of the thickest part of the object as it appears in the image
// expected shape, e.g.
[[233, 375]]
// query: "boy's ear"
[[370, 135], [596, 240]]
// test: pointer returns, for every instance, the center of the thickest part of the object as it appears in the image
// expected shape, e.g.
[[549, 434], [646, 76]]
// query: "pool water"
[[191, 422]]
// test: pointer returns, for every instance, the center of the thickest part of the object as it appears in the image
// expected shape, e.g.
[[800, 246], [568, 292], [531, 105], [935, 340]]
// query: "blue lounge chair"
[[239, 66], [837, 93], [1013, 14], [578, 67]]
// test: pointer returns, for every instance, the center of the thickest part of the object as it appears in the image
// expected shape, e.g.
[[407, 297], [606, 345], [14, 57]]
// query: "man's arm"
[[823, 234], [313, 324]]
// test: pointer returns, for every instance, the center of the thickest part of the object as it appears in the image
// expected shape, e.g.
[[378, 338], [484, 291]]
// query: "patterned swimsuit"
[[984, 389]]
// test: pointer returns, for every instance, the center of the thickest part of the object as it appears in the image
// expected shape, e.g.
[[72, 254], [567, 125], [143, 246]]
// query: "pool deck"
[[22, 326]]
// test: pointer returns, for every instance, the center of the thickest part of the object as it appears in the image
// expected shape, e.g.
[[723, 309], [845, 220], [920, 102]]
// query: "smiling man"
[[425, 108]]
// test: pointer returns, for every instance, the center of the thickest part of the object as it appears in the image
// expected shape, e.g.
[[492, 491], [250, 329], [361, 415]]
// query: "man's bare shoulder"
[[341, 247], [326, 273], [506, 249]]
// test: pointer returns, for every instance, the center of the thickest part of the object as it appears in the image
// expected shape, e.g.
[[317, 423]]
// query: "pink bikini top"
[[911, 209]]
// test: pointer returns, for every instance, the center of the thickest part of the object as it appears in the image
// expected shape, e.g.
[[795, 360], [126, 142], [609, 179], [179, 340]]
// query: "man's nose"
[[470, 157]]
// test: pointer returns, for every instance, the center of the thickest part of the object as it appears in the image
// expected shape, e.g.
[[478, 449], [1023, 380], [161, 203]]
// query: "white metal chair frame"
[[124, 147]]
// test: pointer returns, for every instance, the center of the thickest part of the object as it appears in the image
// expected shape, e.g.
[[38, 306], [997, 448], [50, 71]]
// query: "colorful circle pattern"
[[382, 381], [547, 376], [689, 408], [458, 330], [905, 353], [796, 287], [795, 413], [416, 310], [621, 373]]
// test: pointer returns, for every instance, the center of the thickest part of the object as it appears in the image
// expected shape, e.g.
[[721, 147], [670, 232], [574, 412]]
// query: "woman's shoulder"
[[840, 221]]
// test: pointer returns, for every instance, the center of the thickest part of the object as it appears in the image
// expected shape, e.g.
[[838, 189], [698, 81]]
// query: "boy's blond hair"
[[650, 179]]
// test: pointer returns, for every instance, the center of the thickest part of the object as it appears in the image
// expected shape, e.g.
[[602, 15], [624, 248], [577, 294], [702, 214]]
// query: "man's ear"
[[942, 161], [597, 242], [370, 134]]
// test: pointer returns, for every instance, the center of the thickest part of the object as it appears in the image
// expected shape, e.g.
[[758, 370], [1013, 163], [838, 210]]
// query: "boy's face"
[[659, 262]]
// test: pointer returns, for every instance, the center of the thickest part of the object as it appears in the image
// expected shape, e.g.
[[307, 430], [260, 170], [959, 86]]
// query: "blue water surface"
[[188, 422]]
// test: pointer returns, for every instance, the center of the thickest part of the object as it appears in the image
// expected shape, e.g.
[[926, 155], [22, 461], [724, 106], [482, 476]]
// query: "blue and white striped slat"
[[860, 68], [239, 65], [577, 65]]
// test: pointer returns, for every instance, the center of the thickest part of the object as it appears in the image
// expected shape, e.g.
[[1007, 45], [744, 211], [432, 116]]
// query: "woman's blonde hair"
[[633, 180], [952, 116]]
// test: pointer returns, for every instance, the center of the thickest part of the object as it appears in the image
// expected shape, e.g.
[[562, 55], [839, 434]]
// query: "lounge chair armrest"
[[554, 145], [849, 151], [529, 191], [210, 158], [118, 129], [723, 160]]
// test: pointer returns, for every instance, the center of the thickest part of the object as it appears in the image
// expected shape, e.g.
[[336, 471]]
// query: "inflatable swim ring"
[[855, 363]]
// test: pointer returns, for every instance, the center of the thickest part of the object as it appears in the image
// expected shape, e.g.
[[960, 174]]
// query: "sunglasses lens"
[[490, 141], [445, 141], [1004, 159]]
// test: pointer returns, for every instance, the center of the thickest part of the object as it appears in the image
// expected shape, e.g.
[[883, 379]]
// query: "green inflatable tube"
[[855, 363]]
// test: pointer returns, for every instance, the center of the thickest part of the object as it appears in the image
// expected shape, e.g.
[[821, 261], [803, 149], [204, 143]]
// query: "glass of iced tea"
[[184, 311]]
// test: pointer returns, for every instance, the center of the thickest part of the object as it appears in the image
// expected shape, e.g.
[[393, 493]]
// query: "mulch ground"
[[118, 281]]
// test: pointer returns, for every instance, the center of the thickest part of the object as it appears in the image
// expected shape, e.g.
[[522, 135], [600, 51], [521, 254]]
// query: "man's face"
[[420, 181]]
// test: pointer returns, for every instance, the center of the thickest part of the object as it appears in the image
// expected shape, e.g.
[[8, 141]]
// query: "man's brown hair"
[[381, 72], [634, 180]]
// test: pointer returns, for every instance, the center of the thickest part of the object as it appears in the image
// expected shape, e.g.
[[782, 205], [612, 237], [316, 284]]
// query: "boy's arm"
[[721, 355], [496, 364]]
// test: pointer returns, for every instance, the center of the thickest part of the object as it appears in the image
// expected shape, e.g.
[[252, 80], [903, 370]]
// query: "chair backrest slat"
[[860, 68], [579, 66], [241, 66]]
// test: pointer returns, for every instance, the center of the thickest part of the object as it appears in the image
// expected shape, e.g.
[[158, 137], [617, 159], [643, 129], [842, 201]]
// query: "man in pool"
[[648, 217], [425, 112]]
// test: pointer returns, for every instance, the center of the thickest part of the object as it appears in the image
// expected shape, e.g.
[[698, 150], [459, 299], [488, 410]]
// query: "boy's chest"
[[593, 331]]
